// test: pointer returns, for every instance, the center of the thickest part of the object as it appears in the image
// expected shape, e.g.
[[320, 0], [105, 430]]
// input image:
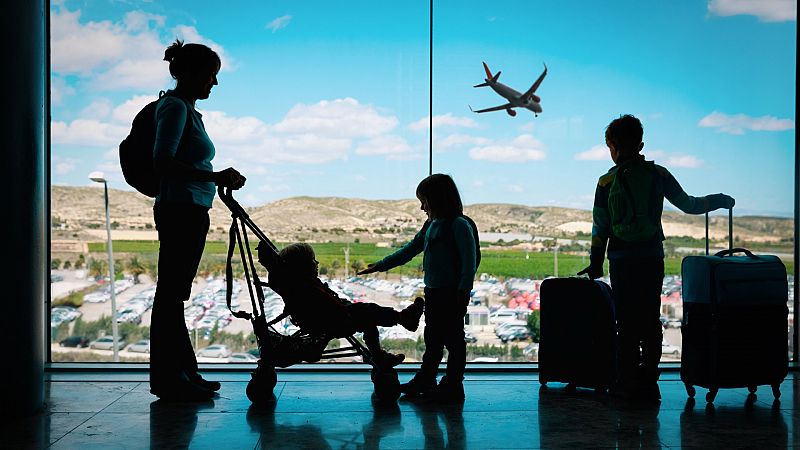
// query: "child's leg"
[[453, 335], [649, 317], [372, 339], [435, 314], [371, 314], [623, 275]]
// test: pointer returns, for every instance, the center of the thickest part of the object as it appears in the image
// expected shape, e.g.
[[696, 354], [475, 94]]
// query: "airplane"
[[528, 100]]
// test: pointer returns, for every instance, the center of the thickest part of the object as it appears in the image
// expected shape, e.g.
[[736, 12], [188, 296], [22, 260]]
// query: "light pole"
[[99, 178]]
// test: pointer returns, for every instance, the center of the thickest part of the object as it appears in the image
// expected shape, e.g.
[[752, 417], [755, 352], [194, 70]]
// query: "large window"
[[325, 108]]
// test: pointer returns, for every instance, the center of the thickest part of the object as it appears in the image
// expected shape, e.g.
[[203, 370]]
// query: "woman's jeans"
[[182, 230]]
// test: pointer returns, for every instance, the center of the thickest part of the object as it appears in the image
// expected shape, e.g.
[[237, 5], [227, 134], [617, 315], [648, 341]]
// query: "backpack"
[[136, 150], [451, 237], [635, 199]]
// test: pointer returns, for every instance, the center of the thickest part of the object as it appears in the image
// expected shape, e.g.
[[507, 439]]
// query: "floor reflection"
[[753, 424], [583, 418], [261, 418], [442, 425], [173, 424]]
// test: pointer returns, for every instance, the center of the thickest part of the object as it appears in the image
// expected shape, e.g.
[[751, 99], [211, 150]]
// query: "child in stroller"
[[317, 309]]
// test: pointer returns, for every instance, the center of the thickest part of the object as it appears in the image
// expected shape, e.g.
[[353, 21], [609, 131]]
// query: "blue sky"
[[331, 98]]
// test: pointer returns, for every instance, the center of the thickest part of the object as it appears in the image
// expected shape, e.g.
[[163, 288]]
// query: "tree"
[[55, 263], [97, 267], [533, 325], [357, 265], [136, 268], [67, 265], [80, 262]]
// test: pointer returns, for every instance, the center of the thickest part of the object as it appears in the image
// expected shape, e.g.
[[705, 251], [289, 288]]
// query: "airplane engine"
[[536, 98], [511, 112]]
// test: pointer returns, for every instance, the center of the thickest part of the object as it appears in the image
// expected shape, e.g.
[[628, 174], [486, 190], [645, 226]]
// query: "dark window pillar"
[[24, 277]]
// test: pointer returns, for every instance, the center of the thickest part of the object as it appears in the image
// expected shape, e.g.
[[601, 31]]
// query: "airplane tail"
[[489, 77]]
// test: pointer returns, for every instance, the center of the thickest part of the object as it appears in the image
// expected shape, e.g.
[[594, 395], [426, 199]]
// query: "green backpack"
[[635, 201]]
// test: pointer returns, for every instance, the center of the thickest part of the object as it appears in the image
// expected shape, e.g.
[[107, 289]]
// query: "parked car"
[[518, 334], [214, 351], [242, 358], [142, 346], [469, 338], [107, 343], [74, 341], [669, 349]]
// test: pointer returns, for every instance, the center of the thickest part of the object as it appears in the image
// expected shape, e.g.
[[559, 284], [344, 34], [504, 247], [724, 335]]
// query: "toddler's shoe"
[[386, 360], [409, 317]]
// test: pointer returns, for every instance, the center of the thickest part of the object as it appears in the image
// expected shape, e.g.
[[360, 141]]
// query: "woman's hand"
[[229, 177], [370, 269]]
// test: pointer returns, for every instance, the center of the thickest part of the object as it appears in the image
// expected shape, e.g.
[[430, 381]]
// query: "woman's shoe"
[[210, 385], [184, 390]]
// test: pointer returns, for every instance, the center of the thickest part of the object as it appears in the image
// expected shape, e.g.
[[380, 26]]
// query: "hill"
[[78, 213]]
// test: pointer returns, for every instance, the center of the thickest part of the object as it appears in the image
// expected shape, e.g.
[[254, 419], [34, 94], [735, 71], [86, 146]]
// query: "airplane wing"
[[536, 83], [494, 108]]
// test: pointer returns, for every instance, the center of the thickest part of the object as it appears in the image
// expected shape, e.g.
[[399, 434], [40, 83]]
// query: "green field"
[[501, 263]]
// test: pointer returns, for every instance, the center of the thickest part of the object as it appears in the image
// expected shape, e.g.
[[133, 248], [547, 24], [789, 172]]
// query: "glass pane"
[[716, 99], [321, 106]]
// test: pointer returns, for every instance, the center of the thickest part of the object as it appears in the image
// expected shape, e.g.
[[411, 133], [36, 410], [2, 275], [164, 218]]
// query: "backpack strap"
[[188, 124]]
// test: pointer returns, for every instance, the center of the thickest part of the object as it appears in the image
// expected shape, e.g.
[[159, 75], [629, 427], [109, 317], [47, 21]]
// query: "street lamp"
[[99, 178]]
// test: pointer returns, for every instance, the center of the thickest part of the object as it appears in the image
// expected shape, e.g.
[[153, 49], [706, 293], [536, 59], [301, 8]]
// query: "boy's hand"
[[370, 269], [593, 272], [717, 201]]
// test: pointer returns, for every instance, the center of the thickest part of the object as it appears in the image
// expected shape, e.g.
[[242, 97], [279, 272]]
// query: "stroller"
[[280, 350]]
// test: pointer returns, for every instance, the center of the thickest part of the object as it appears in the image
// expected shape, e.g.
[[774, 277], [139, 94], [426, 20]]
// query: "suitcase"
[[578, 339], [735, 320]]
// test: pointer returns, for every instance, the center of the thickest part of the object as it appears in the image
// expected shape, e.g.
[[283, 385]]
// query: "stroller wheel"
[[259, 389], [387, 385]]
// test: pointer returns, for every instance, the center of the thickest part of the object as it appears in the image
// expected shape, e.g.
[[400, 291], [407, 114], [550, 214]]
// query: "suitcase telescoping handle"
[[730, 250]]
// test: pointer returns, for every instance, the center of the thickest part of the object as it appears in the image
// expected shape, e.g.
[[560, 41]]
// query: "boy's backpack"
[[635, 199], [136, 150]]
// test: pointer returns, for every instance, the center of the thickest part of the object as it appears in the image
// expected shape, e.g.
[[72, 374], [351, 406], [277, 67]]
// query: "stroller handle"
[[237, 211]]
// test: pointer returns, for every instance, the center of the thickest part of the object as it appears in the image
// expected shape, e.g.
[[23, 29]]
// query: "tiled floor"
[[316, 410]]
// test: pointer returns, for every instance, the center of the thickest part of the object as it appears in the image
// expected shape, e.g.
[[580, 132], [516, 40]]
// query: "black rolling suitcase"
[[734, 320], [578, 340]]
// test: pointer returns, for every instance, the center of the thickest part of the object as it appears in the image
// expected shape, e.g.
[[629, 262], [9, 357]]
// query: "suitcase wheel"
[[776, 391], [711, 395], [752, 389], [690, 390]]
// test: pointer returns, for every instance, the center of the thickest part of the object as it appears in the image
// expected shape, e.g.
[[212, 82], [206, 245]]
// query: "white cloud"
[[444, 120], [674, 160], [273, 188], [87, 132], [737, 124], [59, 89], [457, 140], [125, 112], [279, 23], [521, 149], [683, 161], [384, 145], [765, 10], [98, 109], [341, 118], [64, 166], [117, 55], [596, 153]]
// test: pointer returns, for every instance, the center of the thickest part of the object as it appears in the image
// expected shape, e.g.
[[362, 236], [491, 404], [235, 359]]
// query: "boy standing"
[[626, 216]]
